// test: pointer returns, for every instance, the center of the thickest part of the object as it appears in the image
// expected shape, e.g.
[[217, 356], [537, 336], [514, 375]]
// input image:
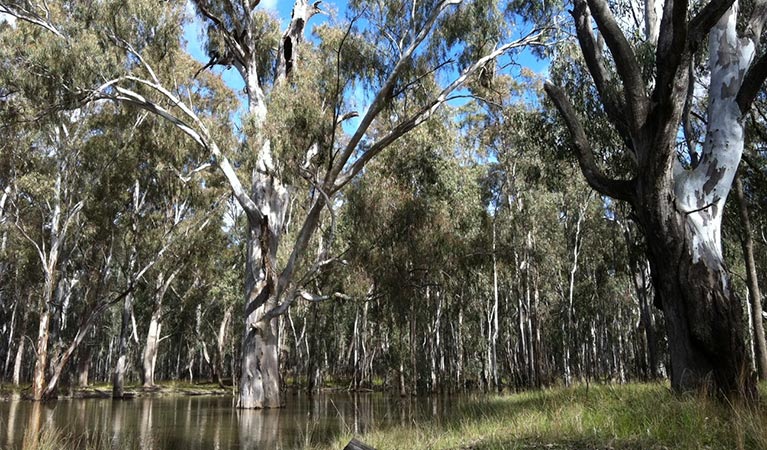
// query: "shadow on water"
[[201, 422]]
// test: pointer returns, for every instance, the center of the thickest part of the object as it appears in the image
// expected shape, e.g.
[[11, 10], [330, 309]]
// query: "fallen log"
[[354, 444]]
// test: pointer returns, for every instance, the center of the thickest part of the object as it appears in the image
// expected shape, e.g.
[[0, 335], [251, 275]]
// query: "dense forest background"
[[458, 247]]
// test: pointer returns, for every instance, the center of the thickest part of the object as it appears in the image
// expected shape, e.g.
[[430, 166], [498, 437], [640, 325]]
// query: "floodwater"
[[204, 422]]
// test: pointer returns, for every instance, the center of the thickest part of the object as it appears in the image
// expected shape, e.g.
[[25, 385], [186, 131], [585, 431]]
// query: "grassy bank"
[[638, 416]]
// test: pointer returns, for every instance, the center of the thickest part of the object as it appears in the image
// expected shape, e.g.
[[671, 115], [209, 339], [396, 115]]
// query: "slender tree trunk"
[[16, 378], [220, 346], [83, 366], [413, 347], [118, 376], [494, 332], [151, 347], [11, 329], [760, 346]]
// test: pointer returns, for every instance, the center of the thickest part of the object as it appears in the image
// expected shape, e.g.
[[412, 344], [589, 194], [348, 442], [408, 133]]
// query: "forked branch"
[[618, 189]]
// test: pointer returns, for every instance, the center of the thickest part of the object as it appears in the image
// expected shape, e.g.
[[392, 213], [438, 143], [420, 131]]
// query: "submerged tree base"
[[635, 416]]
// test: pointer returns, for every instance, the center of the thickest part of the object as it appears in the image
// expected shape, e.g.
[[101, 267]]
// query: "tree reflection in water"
[[212, 422]]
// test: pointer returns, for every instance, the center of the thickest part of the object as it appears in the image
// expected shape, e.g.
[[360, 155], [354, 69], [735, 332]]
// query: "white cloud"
[[269, 4]]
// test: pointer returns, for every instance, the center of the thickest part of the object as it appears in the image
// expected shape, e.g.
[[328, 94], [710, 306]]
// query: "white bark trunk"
[[653, 13], [702, 192], [150, 349], [260, 377], [16, 379]]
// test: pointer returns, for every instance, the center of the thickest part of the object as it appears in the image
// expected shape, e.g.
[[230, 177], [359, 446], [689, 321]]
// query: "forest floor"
[[601, 417]]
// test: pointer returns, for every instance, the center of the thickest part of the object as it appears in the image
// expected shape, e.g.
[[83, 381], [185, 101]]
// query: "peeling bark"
[[680, 210], [260, 377]]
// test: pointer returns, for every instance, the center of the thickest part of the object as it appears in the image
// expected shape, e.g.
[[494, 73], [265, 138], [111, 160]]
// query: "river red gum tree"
[[679, 207], [237, 32]]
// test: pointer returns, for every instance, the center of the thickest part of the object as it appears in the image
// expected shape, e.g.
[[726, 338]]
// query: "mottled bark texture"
[[679, 208]]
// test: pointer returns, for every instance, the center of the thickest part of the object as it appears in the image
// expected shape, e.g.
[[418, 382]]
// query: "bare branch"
[[625, 62], [381, 97], [304, 295], [29, 16], [186, 178], [429, 109], [592, 53], [129, 48], [202, 137], [618, 189], [40, 251]]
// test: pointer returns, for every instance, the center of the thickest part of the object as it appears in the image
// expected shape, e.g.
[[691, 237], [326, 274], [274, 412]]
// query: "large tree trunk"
[[260, 377], [704, 316], [680, 208], [149, 358]]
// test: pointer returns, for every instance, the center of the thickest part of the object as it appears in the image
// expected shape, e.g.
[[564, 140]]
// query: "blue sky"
[[283, 8]]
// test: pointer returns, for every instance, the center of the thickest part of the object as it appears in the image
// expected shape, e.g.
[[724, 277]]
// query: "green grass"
[[56, 439], [637, 416]]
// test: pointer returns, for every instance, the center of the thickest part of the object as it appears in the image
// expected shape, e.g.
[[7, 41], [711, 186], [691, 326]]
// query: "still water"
[[213, 423]]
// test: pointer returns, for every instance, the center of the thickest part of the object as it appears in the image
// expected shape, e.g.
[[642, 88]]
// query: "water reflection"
[[213, 423]]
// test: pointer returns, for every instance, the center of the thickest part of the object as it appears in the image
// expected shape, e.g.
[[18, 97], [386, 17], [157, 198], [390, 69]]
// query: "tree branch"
[[302, 294], [626, 63], [27, 15], [752, 83], [618, 189], [428, 110], [229, 38], [202, 137], [708, 16], [379, 101], [592, 54]]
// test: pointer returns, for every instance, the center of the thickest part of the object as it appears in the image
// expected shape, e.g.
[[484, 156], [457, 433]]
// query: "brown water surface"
[[203, 422]]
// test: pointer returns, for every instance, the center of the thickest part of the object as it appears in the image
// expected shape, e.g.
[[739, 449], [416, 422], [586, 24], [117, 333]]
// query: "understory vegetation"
[[597, 417]]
